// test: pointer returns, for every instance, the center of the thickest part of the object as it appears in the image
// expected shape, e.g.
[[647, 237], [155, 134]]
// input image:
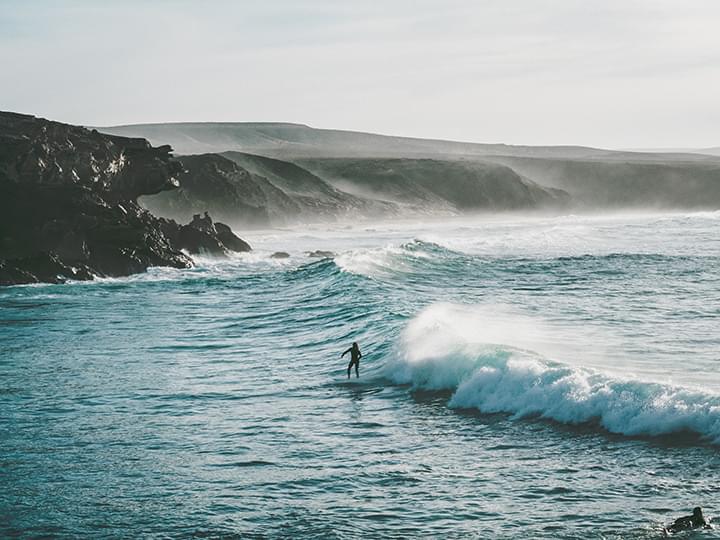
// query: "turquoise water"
[[534, 378]]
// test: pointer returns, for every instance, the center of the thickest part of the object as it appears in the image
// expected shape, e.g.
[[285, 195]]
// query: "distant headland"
[[77, 202]]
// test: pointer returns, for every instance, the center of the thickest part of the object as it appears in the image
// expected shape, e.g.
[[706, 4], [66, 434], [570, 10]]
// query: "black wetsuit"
[[355, 356], [687, 522]]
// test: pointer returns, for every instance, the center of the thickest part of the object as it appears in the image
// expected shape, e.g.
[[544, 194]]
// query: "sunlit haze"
[[614, 74]]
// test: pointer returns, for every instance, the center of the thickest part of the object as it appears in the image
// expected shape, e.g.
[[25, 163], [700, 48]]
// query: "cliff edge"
[[68, 205]]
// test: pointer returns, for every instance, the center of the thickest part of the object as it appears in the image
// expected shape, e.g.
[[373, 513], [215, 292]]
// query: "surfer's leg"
[[349, 368], [357, 367]]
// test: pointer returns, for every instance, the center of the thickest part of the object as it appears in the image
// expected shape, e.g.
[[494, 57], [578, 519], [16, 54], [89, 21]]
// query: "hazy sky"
[[611, 73]]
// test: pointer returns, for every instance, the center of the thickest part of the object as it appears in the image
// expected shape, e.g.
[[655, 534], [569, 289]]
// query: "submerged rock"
[[68, 205], [280, 255]]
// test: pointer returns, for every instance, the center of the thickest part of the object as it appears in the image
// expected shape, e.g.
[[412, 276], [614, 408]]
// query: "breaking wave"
[[440, 351], [391, 260]]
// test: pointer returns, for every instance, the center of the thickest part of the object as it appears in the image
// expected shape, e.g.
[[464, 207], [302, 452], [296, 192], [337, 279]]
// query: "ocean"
[[521, 378]]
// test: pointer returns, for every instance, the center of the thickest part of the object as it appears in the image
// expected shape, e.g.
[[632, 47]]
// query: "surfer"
[[355, 356], [688, 522]]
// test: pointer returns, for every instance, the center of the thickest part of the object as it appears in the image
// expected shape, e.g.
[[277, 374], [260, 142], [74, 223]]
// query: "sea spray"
[[213, 399], [487, 371], [391, 260]]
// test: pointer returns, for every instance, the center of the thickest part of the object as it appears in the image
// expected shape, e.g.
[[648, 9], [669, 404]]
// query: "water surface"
[[524, 378]]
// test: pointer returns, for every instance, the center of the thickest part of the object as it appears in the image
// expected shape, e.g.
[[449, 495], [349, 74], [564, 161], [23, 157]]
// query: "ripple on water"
[[213, 403]]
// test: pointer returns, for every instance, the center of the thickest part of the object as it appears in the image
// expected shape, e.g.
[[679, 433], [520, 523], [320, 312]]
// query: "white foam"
[[572, 236], [485, 371], [380, 262]]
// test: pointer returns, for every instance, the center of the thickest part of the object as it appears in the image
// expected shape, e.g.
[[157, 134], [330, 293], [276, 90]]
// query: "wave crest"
[[499, 378], [390, 260]]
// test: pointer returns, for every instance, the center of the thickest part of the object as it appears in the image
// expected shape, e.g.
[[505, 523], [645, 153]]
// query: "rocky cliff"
[[439, 174], [459, 185], [68, 204], [253, 191], [212, 182], [626, 185]]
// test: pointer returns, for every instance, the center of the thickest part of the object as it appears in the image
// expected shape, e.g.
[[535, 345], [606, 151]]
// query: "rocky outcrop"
[[68, 204], [44, 267], [202, 236], [228, 238]]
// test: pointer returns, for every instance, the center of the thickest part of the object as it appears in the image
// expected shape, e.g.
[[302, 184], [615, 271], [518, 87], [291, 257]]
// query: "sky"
[[607, 73]]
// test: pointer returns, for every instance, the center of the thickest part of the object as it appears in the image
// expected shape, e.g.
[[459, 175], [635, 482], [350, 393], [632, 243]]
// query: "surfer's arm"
[[343, 354]]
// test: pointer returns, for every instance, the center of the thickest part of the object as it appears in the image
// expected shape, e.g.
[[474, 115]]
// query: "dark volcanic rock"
[[280, 255], [201, 235], [213, 182], [44, 267], [227, 237], [35, 151], [68, 203]]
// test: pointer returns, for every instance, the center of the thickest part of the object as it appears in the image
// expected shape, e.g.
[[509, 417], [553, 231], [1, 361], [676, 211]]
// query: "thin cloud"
[[614, 73]]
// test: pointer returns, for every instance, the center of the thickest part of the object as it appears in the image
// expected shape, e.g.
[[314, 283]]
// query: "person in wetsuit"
[[688, 522], [355, 356]]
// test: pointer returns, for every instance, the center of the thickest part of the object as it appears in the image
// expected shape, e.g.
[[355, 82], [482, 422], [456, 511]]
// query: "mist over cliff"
[[292, 172]]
